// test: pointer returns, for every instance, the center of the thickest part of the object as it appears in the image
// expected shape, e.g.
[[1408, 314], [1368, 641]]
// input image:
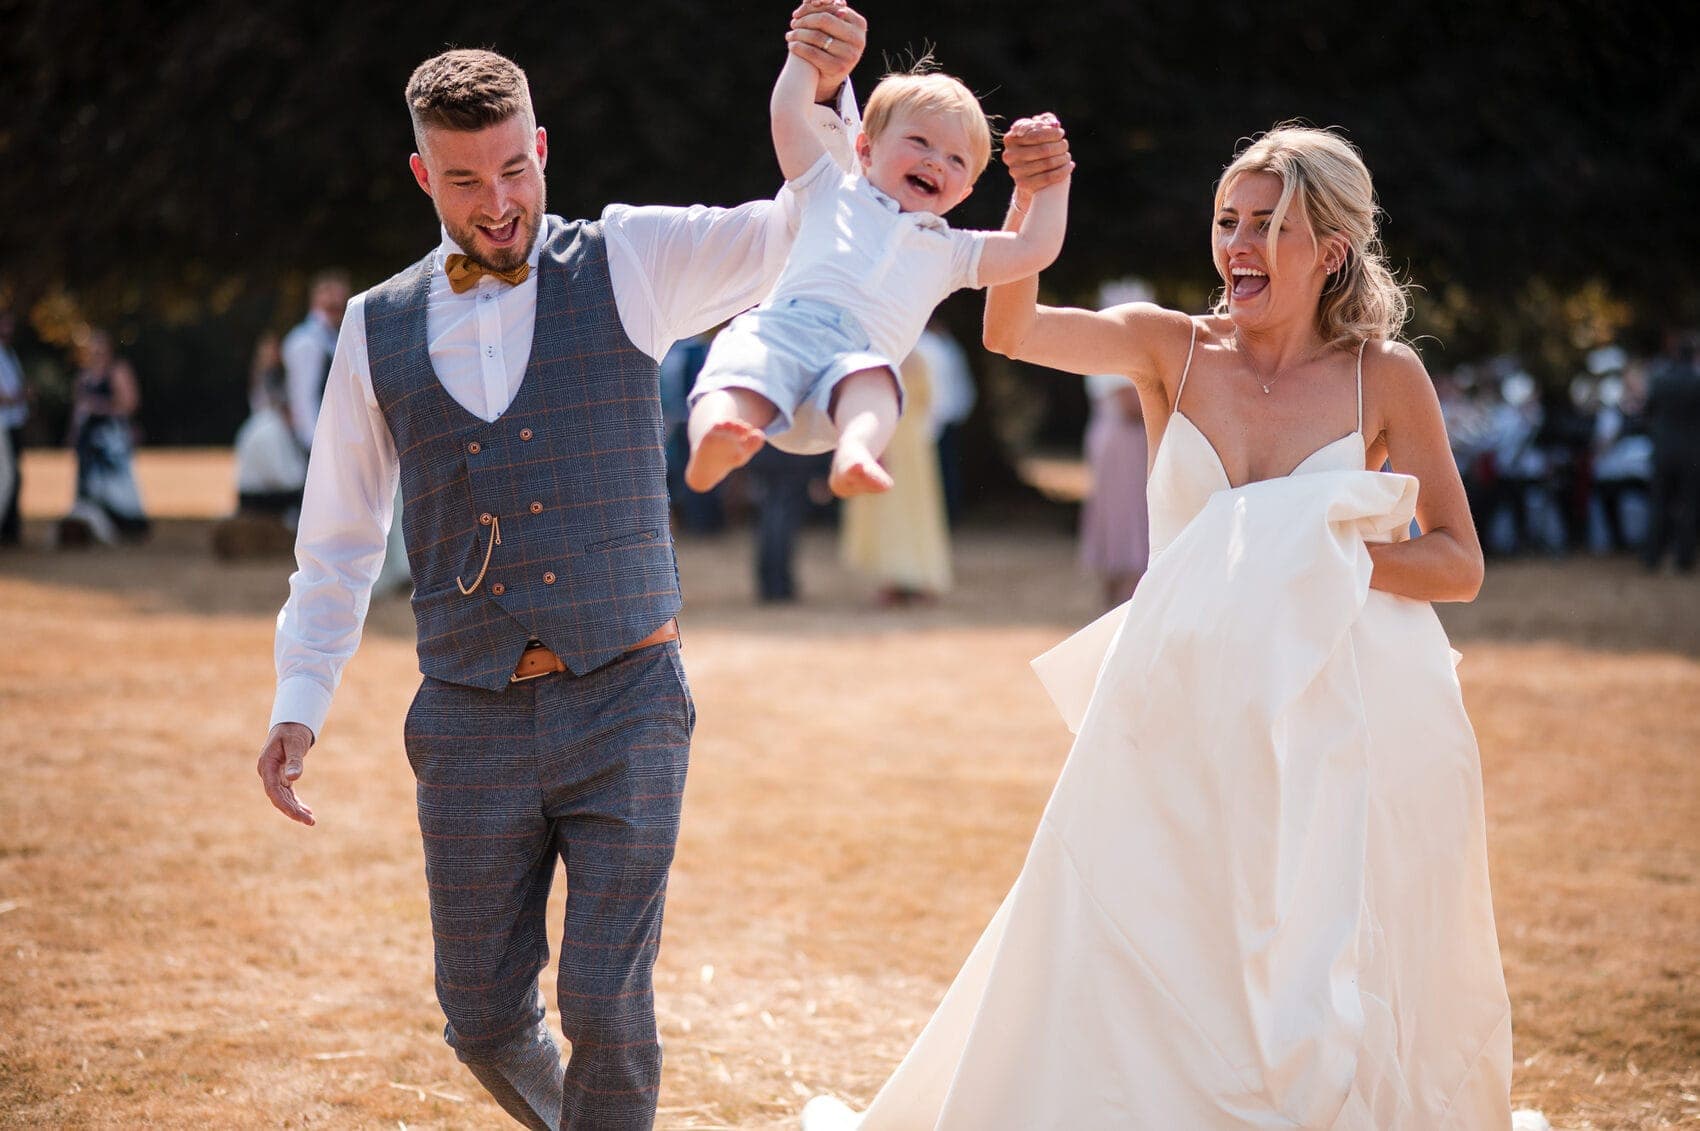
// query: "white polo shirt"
[[858, 250]]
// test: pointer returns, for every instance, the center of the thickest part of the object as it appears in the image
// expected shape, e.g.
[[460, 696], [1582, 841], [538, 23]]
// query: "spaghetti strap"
[[1192, 343], [1361, 346]]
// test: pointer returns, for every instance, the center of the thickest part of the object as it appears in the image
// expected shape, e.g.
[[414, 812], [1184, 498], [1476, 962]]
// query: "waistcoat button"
[[525, 433], [549, 579], [475, 447], [498, 589], [486, 518], [536, 508]]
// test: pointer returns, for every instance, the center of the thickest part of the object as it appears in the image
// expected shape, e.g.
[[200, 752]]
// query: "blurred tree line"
[[178, 168]]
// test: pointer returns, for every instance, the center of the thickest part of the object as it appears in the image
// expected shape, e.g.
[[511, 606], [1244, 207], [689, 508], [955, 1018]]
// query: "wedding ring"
[[827, 46]]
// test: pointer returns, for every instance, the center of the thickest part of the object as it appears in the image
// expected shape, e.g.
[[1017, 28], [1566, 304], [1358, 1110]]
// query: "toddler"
[[814, 367]]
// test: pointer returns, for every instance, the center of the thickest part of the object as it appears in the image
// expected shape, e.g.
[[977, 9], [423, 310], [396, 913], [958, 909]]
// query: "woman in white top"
[[1258, 897]]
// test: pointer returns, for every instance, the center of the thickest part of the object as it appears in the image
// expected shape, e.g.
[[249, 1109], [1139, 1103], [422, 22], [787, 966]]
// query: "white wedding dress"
[[1258, 897]]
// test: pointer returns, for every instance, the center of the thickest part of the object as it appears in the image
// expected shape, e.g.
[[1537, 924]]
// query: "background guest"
[[779, 486], [14, 414], [1115, 539], [698, 512], [270, 468], [901, 538], [105, 395], [308, 349], [1673, 422], [953, 401]]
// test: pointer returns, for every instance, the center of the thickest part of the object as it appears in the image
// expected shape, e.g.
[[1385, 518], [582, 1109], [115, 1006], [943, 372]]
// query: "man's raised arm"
[[679, 271]]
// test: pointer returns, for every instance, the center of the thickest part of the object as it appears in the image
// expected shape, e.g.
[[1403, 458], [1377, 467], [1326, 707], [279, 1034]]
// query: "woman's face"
[[1271, 276]]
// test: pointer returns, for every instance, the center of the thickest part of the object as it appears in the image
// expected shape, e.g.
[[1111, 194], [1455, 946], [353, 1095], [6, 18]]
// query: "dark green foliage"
[[178, 168]]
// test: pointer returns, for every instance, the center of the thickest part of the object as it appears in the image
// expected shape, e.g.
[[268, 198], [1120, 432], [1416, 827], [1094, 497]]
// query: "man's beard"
[[498, 259]]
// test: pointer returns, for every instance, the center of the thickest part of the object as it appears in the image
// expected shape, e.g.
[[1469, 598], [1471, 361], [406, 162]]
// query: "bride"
[[1258, 897]]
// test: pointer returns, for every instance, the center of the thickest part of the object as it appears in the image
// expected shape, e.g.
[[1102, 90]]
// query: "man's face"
[[331, 299], [487, 186]]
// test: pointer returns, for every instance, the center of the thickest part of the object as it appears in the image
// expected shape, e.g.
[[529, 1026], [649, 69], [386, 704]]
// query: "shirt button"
[[498, 589], [489, 351], [536, 508], [486, 518], [475, 447], [486, 297], [525, 433], [549, 579]]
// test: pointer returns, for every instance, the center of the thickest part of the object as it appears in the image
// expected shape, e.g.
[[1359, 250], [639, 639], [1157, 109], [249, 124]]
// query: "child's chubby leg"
[[864, 410], [725, 430]]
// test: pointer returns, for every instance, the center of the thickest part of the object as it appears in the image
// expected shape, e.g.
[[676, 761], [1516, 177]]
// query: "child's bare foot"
[[855, 471], [728, 445]]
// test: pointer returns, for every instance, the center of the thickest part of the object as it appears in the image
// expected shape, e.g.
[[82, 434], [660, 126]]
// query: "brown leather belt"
[[539, 661]]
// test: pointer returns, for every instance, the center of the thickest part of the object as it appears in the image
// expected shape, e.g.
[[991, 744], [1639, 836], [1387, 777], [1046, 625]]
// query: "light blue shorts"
[[794, 353]]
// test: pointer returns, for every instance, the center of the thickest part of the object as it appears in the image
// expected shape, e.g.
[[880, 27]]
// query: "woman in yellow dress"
[[900, 538]]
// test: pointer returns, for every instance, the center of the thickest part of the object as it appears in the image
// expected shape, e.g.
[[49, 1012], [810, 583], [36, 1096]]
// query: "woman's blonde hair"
[[1324, 175]]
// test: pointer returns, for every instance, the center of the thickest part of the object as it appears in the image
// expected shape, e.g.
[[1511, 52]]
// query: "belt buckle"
[[530, 646]]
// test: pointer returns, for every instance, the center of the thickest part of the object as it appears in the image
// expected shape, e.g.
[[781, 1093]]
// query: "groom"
[[509, 379]]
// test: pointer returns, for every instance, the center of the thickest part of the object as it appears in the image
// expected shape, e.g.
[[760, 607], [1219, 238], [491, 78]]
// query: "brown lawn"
[[175, 954]]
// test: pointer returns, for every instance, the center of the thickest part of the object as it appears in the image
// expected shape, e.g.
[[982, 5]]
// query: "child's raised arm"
[[795, 142], [1031, 247]]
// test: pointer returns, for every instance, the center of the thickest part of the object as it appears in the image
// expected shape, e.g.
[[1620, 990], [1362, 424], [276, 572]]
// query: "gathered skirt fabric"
[[1258, 897]]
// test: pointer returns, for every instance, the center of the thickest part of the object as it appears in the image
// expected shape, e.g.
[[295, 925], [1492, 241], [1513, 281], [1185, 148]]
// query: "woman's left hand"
[[1036, 152]]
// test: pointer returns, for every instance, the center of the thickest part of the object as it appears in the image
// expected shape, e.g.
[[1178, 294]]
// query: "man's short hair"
[[465, 89]]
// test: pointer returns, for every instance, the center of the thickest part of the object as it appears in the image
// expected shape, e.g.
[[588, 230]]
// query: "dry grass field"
[[175, 954]]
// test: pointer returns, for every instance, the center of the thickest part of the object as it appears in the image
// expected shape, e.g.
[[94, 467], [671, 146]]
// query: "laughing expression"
[[922, 160], [1264, 270], [487, 186]]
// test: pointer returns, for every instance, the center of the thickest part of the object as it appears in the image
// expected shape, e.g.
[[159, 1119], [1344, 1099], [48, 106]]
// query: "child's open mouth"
[[922, 184]]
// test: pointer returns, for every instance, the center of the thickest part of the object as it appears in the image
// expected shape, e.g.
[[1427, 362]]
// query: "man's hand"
[[280, 765], [1036, 151], [830, 36]]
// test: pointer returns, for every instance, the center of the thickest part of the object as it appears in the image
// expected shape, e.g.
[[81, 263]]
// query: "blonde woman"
[[1258, 897]]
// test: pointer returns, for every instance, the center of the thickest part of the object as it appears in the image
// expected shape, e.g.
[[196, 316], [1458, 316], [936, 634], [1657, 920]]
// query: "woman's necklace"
[[1256, 373]]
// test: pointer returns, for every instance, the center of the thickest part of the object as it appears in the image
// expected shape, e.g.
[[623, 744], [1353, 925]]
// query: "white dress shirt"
[[675, 272], [306, 350]]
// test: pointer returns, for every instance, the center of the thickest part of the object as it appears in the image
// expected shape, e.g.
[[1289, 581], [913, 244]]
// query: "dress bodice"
[[1187, 470]]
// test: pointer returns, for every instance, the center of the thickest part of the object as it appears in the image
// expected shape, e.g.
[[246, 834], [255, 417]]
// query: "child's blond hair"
[[930, 92]]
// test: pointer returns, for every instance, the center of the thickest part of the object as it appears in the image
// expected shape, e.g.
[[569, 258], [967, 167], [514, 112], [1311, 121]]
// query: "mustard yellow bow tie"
[[464, 273]]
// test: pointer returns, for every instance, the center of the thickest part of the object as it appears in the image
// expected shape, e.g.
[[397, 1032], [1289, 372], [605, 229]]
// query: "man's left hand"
[[830, 36]]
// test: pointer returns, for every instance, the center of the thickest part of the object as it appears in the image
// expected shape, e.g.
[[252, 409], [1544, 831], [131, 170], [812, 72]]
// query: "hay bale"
[[246, 535]]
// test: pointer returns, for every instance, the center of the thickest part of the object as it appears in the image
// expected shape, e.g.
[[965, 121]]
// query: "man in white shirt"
[[14, 414], [508, 382], [308, 349]]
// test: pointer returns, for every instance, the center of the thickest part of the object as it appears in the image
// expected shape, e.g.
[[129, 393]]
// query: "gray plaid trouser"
[[589, 769]]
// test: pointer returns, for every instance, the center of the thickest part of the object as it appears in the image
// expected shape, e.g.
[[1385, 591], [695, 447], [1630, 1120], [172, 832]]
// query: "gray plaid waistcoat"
[[571, 478]]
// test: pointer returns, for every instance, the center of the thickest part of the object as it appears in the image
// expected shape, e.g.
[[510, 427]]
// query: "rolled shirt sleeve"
[[966, 247]]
